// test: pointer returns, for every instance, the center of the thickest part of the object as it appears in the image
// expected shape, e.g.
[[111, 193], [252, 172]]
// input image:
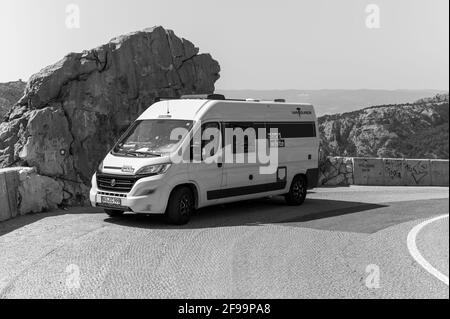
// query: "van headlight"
[[154, 169]]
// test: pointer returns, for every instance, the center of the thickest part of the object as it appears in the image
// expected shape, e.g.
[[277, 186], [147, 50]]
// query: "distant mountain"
[[411, 130], [10, 93], [335, 101]]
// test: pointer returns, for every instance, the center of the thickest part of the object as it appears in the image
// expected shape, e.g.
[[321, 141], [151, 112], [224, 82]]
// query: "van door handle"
[[220, 165]]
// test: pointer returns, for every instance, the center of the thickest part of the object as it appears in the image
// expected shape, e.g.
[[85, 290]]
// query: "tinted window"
[[293, 129], [250, 131]]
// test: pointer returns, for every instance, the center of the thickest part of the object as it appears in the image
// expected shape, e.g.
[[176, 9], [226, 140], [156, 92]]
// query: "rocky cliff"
[[73, 111], [415, 130], [10, 93]]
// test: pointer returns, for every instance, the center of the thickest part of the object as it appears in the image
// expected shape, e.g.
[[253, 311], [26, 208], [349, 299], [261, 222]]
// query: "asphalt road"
[[342, 243]]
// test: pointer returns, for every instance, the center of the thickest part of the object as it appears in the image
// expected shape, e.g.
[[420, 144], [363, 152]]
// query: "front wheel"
[[297, 192], [180, 206]]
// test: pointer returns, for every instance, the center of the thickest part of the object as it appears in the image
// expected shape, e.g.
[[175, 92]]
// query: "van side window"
[[293, 129], [245, 143]]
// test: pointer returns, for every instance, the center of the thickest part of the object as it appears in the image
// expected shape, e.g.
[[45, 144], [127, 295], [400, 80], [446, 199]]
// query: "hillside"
[[412, 130], [10, 93], [335, 101]]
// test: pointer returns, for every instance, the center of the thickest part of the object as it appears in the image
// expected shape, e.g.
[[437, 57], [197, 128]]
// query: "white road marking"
[[412, 247]]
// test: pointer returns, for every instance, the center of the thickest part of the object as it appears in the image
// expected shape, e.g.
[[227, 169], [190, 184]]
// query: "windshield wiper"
[[144, 153], [125, 153]]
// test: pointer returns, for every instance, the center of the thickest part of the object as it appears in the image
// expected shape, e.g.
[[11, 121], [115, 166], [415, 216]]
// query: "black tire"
[[297, 192], [180, 207], [114, 213]]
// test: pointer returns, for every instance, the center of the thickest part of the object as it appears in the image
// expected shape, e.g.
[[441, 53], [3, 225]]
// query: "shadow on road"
[[251, 213], [22, 221], [323, 214]]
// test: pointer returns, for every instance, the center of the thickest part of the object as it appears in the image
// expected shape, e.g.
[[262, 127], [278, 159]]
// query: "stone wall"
[[341, 171], [336, 171], [24, 191]]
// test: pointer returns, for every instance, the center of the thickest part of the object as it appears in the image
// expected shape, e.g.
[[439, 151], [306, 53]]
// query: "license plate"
[[111, 201]]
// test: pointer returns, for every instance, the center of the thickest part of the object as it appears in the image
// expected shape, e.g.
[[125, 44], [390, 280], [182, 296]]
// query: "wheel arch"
[[193, 189], [302, 174]]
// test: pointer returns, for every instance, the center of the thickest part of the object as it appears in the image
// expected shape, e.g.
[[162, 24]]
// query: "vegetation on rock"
[[412, 130]]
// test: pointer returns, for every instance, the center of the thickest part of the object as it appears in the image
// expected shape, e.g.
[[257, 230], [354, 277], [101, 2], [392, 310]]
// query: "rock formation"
[[10, 93], [73, 111], [416, 130], [336, 171]]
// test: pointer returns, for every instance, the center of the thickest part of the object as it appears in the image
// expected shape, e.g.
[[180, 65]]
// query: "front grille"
[[116, 183], [113, 194]]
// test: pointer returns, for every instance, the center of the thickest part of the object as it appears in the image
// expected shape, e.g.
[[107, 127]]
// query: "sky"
[[260, 44]]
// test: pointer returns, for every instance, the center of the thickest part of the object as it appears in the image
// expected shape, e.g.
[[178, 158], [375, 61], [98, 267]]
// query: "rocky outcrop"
[[73, 111], [10, 93], [37, 193], [416, 130], [23, 191], [336, 171]]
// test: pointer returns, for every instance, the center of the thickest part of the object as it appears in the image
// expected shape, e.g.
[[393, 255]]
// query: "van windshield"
[[148, 138]]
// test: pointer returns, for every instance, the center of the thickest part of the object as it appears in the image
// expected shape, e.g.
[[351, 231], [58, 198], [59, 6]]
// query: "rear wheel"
[[114, 213], [180, 206], [297, 192]]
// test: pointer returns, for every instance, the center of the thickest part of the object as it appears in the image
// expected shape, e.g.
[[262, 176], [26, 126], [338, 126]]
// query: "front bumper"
[[148, 195]]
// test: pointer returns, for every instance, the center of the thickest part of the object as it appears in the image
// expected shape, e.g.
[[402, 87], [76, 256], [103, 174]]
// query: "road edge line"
[[415, 253]]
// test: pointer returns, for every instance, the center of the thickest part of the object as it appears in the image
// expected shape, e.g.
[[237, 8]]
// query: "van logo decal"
[[113, 182], [127, 169], [299, 112]]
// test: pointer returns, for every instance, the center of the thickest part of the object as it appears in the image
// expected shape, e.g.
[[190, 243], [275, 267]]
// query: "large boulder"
[[37, 193], [23, 191], [73, 111]]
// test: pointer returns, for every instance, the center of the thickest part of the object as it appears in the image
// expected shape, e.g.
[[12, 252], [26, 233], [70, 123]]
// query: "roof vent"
[[216, 97], [280, 100]]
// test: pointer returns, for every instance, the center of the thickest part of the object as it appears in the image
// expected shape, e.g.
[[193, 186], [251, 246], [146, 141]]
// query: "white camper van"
[[183, 154]]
